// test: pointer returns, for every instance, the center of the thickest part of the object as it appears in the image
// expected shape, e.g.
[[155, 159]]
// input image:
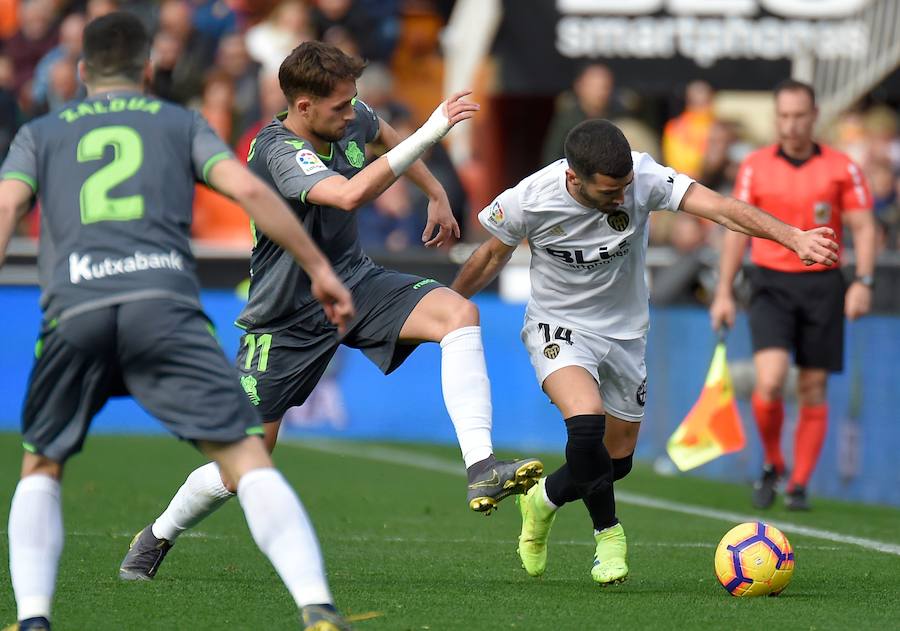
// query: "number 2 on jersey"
[[561, 334], [96, 204]]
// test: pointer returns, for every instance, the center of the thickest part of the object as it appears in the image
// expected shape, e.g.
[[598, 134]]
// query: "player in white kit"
[[586, 221]]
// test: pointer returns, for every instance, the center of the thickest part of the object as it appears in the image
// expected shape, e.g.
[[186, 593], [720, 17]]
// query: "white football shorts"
[[618, 366]]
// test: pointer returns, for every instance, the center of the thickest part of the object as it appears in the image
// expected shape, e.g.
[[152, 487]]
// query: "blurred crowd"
[[221, 57], [710, 148]]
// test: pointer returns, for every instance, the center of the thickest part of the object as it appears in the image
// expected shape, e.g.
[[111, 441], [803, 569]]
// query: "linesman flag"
[[713, 426]]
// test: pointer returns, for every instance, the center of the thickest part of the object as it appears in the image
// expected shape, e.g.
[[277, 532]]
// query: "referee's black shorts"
[[802, 312]]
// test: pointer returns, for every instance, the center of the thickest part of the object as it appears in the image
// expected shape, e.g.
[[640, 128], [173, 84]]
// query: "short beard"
[[594, 203], [330, 137]]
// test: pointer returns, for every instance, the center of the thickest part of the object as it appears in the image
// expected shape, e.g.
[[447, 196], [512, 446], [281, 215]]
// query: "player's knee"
[[810, 395], [463, 313], [622, 466], [811, 392], [769, 389]]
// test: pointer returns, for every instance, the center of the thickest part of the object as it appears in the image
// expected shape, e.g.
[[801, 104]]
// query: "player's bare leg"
[[446, 317], [35, 540], [812, 426], [768, 409], [204, 491]]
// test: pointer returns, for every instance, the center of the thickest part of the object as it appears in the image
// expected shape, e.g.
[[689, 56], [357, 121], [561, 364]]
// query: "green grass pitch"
[[399, 540]]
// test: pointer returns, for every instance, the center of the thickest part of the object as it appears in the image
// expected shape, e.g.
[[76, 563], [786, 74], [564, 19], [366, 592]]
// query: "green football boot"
[[537, 518], [609, 559]]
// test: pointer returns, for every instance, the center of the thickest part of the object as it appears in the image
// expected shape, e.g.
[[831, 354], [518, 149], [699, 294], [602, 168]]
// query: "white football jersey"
[[587, 266]]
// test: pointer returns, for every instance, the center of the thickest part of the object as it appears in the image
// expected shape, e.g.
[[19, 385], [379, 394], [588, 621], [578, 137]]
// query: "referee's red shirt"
[[807, 195]]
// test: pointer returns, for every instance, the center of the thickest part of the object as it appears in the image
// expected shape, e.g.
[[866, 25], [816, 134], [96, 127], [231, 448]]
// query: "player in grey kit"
[[314, 155], [115, 173]]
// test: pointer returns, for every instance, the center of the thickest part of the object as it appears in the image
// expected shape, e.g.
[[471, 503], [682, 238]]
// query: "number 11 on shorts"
[[264, 343]]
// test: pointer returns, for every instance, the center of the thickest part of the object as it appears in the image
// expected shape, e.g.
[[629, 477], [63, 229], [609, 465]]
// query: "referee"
[[797, 309]]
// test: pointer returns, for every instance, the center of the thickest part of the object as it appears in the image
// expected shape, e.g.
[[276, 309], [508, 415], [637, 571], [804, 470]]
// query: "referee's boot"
[[796, 499], [32, 624], [491, 480], [764, 489], [323, 618], [145, 555]]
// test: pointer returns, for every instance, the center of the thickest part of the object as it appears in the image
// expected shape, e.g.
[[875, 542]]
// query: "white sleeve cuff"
[[679, 188]]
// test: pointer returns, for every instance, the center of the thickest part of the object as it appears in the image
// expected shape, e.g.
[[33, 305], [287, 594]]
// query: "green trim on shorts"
[[29, 448], [39, 344], [239, 325], [256, 430], [423, 282]]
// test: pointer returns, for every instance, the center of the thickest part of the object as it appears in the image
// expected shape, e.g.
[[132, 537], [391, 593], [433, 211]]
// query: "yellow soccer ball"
[[754, 559]]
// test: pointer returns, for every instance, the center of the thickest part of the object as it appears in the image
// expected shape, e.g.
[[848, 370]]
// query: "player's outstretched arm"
[[482, 267], [811, 246], [15, 200], [440, 214], [275, 219], [339, 192]]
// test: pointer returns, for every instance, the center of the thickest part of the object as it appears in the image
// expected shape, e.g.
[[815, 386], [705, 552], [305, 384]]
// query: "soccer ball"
[[754, 559]]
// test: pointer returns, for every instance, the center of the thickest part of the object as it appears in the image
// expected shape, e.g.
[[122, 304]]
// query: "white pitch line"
[[395, 456], [130, 535], [420, 540], [587, 543]]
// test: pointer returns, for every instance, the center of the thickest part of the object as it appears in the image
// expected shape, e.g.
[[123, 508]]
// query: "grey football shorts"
[[162, 352], [280, 368]]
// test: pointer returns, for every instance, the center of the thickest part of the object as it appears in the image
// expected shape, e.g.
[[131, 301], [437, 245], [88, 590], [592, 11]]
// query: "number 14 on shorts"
[[562, 334]]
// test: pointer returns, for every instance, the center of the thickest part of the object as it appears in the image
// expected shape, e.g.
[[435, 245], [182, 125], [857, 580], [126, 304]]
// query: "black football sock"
[[622, 466], [561, 487], [591, 467]]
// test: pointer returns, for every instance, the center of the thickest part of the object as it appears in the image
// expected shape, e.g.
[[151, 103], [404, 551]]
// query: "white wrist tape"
[[408, 151]]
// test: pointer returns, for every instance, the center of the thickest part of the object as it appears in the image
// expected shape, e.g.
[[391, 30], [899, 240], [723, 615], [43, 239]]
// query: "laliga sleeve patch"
[[309, 162], [496, 214]]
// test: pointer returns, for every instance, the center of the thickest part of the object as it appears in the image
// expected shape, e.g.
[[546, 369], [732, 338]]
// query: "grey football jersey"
[[279, 289], [115, 176]]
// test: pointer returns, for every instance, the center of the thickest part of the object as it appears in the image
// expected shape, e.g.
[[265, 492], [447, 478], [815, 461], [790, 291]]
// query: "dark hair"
[[792, 85], [116, 45], [314, 68], [598, 146]]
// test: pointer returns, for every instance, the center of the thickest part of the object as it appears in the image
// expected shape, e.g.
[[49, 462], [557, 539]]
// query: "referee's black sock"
[[591, 467], [561, 487]]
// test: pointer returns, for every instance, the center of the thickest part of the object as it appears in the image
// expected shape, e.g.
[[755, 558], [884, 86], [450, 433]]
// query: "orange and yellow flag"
[[713, 426]]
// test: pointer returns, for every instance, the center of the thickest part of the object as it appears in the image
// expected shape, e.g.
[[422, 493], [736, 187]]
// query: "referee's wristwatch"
[[867, 280]]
